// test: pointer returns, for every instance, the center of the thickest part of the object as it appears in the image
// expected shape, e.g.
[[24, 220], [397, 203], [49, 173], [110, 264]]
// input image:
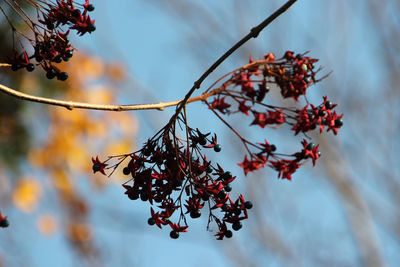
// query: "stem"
[[71, 104], [12, 25], [232, 129], [252, 34], [20, 15], [160, 106]]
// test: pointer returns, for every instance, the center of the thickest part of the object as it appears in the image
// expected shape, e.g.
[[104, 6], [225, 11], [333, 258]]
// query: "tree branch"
[[71, 104], [252, 34], [161, 105]]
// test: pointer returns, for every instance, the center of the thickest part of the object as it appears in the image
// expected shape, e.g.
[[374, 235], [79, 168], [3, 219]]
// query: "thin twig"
[[254, 32], [160, 106]]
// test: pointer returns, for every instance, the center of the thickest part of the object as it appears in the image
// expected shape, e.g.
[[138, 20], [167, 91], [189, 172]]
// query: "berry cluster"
[[168, 171], [3, 221], [292, 74], [173, 173], [50, 43]]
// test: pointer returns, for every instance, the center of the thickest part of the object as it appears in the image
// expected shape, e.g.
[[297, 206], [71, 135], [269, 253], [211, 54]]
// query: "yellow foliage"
[[79, 232], [7, 127], [27, 194], [118, 147], [46, 224], [30, 83], [99, 94], [116, 71], [72, 138], [61, 182]]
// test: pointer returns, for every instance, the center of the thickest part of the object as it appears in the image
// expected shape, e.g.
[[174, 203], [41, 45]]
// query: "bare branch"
[[161, 105], [71, 104]]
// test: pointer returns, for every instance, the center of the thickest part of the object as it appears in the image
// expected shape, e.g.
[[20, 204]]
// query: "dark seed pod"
[[328, 104], [133, 196], [248, 205], [273, 148], [237, 225], [338, 122], [57, 59], [146, 152], [4, 223], [15, 67], [144, 196], [126, 171], [151, 221], [69, 54], [158, 183], [91, 28], [226, 175], [30, 67], [174, 234], [90, 8], [203, 141], [310, 146], [62, 76], [222, 194], [228, 233], [195, 213], [96, 167], [50, 74], [76, 13], [205, 197], [209, 169], [217, 148], [228, 188]]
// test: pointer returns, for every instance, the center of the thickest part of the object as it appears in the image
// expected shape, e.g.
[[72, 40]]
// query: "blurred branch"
[[357, 210]]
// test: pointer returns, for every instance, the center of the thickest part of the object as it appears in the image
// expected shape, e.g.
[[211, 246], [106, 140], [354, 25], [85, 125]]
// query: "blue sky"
[[154, 47]]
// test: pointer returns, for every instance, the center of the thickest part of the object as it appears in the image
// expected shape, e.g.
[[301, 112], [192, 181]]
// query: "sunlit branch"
[[71, 104]]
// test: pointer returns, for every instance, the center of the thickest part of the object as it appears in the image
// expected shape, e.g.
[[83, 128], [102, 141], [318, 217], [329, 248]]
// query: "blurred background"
[[343, 212]]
